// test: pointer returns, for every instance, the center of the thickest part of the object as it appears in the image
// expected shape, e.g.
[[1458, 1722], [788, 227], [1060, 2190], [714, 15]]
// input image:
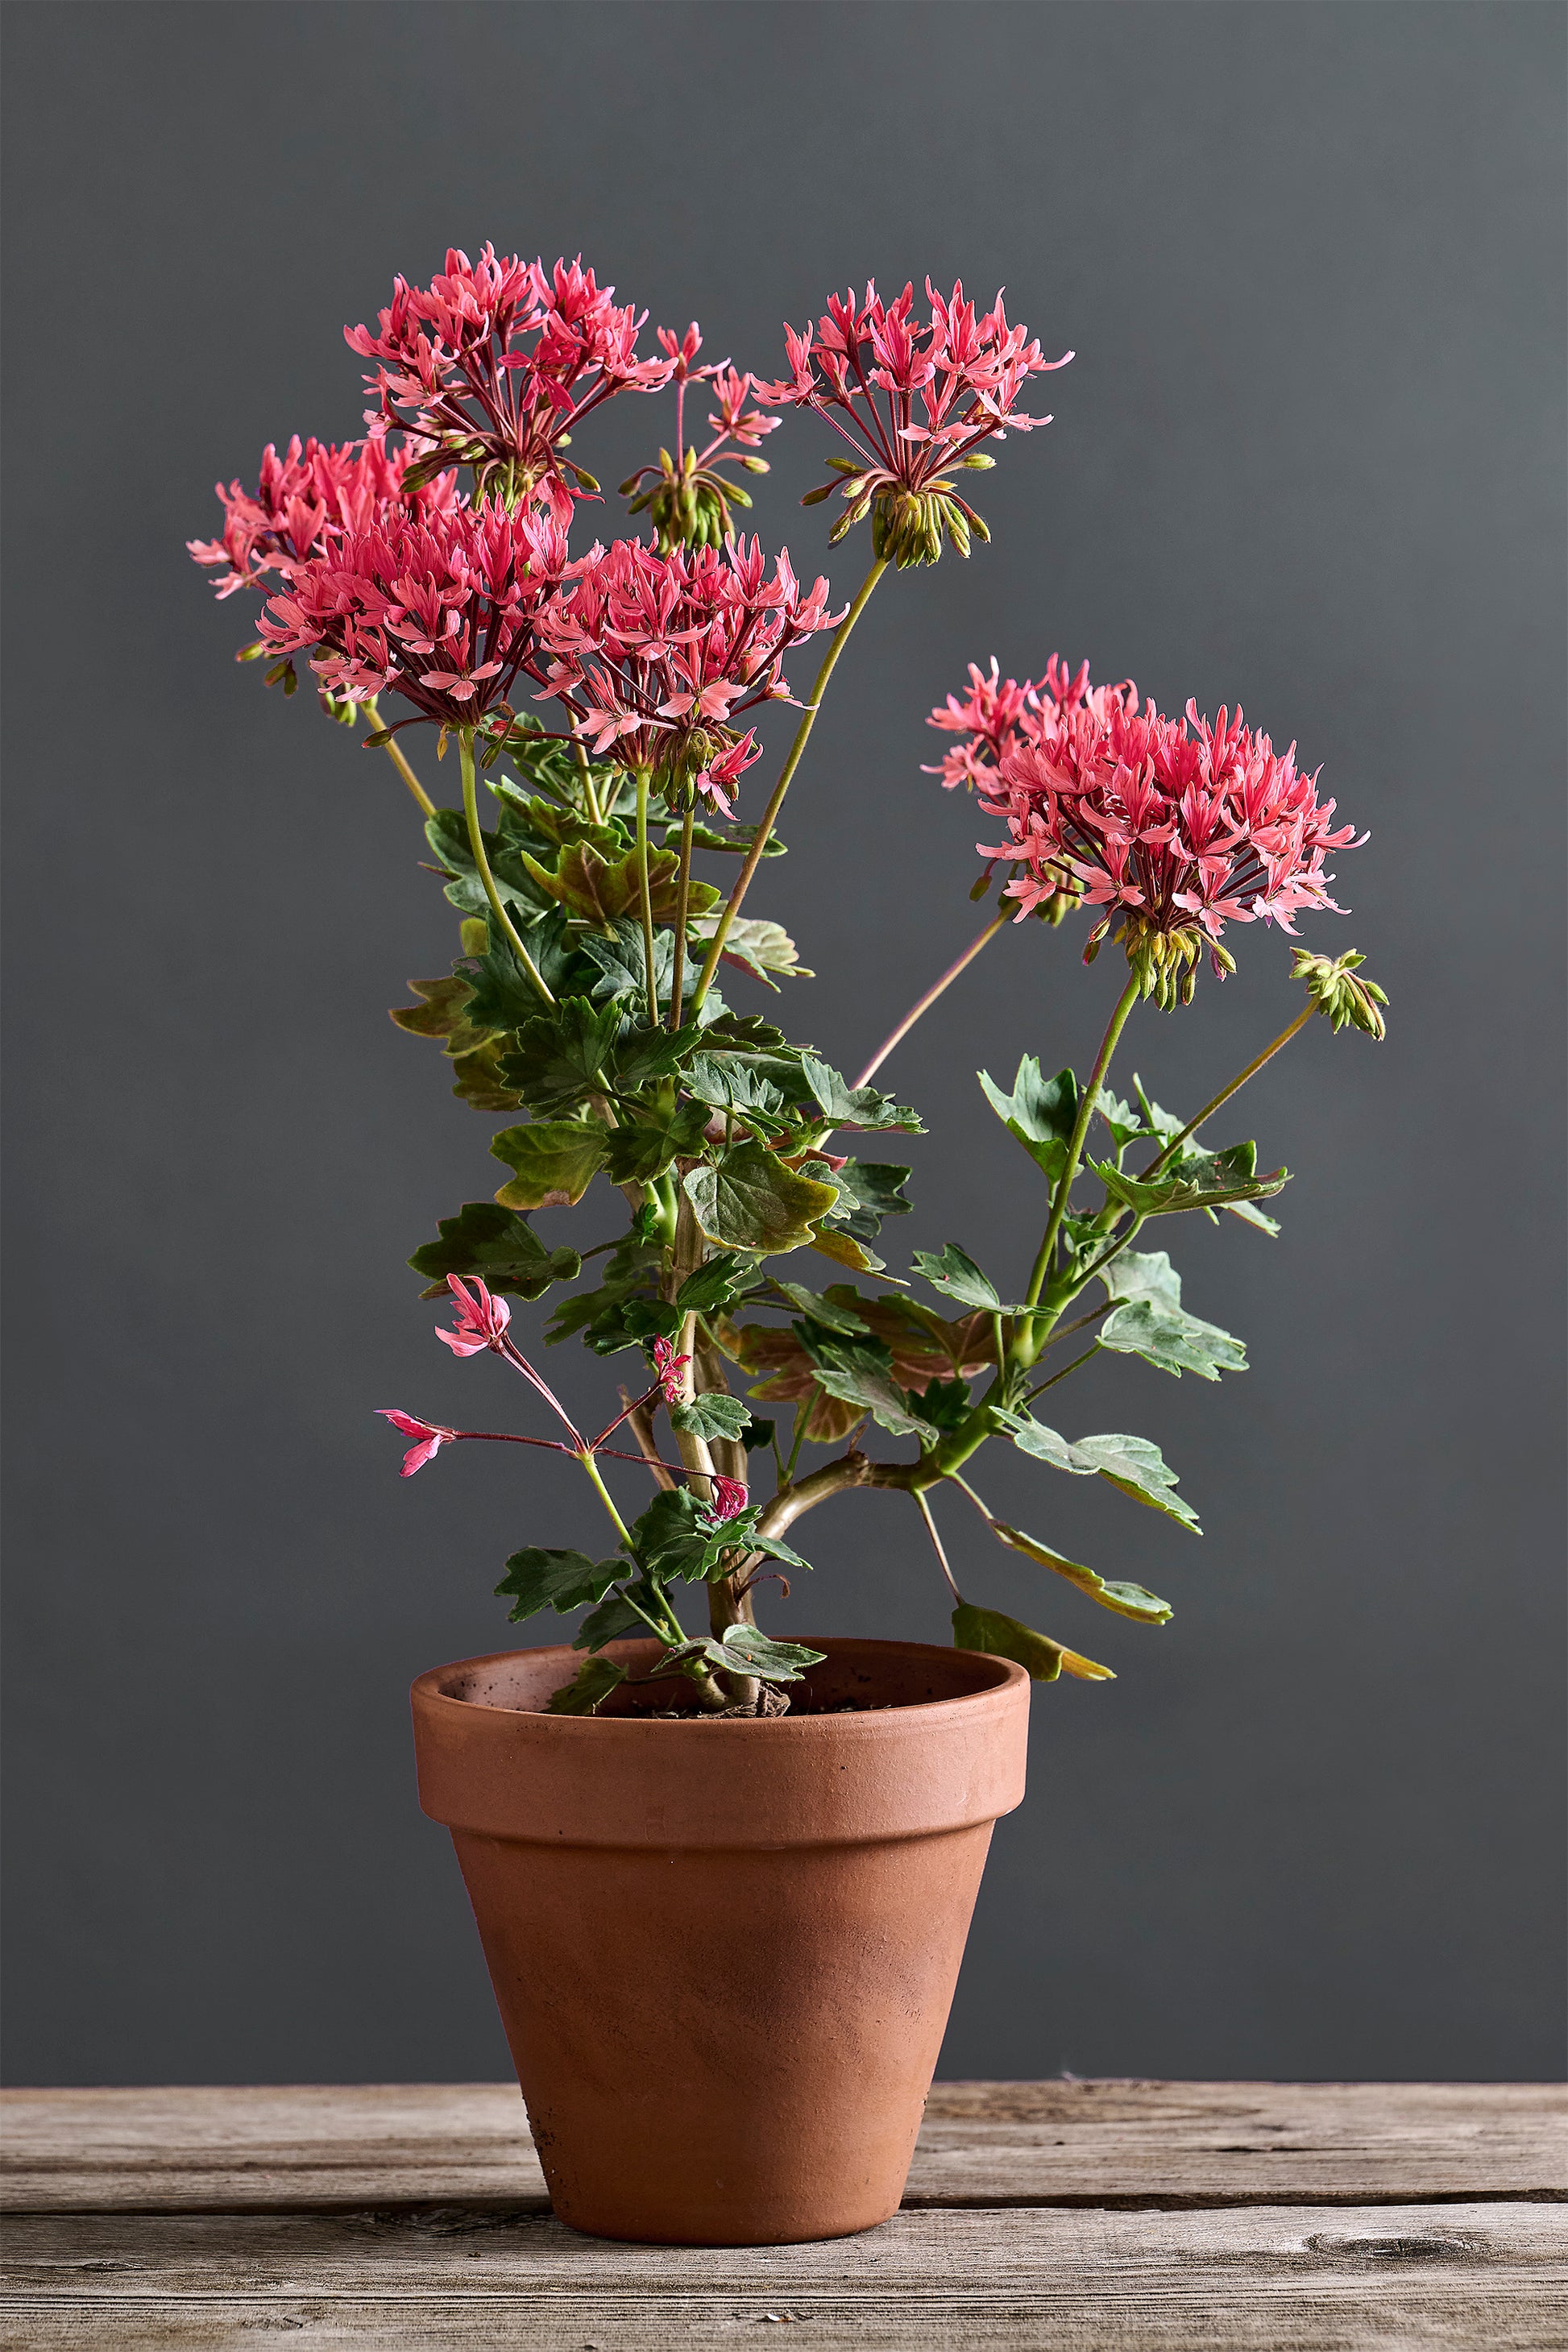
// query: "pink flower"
[[481, 1319], [870, 363], [440, 610], [655, 656], [668, 1367], [493, 364], [1174, 827], [729, 1497], [315, 492], [431, 1436]]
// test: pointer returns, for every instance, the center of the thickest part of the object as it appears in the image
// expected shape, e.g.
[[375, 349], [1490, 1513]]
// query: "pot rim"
[[428, 1690]]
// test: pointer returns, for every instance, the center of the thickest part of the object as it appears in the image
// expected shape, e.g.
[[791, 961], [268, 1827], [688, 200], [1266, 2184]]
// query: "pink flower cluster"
[[919, 397], [494, 363], [441, 610], [315, 492], [653, 656], [1175, 826]]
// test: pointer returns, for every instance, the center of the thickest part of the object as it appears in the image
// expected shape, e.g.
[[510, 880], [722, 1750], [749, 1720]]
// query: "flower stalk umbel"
[[610, 704]]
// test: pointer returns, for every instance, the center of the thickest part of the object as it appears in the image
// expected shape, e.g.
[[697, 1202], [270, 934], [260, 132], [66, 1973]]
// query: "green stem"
[[396, 755], [476, 844], [1113, 1028], [930, 998], [592, 1467], [677, 978], [770, 815], [590, 798], [1225, 1093], [649, 965], [1063, 1373], [924, 1508]]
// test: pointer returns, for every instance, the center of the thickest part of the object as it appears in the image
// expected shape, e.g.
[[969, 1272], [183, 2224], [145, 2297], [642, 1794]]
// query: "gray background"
[[1308, 456]]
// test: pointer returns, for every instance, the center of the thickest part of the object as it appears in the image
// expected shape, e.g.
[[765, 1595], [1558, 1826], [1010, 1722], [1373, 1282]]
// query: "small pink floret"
[[481, 1318], [429, 1433]]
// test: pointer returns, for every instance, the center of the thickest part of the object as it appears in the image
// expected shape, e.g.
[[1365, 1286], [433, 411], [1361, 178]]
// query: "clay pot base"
[[724, 1949]]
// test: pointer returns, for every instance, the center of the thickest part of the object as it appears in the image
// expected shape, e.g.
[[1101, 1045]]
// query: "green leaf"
[[500, 1246], [1126, 1600], [592, 1684], [956, 1276], [846, 1105], [1004, 1637], [501, 996], [676, 1537], [636, 1153], [750, 1199], [1133, 1463], [1206, 1181], [1142, 1274], [738, 839], [860, 1372], [747, 1650], [539, 1580], [554, 1162], [613, 1619], [672, 1515], [1040, 1112], [714, 1414], [727, 1083], [945, 1403], [478, 1080], [448, 834], [556, 1059], [756, 946], [1125, 1124], [832, 1316], [759, 1436], [868, 1191], [443, 1014], [844, 1250], [1250, 1215], [1176, 1341], [719, 1282]]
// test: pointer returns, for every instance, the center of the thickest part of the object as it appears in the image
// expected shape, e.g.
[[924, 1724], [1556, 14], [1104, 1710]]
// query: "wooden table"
[[1287, 2217]]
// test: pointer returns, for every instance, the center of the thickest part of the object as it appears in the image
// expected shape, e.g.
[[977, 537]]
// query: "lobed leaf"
[[498, 1245], [592, 1684], [750, 1199], [554, 1162], [1039, 1112], [1133, 1463], [536, 1578], [1004, 1637]]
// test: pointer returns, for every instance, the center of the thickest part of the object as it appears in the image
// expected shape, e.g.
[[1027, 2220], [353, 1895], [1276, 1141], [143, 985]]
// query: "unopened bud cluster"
[[688, 504], [1348, 1002], [1164, 964]]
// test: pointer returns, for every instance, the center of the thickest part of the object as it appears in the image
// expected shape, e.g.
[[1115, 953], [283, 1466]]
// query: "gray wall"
[[1310, 258]]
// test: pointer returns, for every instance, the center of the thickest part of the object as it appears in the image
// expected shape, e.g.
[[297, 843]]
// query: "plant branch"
[[925, 1512], [1225, 1093], [928, 999], [770, 815], [476, 846], [1065, 1368], [1113, 1027], [395, 753], [678, 975], [646, 897]]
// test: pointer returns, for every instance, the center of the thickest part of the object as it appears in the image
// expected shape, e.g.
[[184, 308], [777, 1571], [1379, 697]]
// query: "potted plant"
[[722, 1877]]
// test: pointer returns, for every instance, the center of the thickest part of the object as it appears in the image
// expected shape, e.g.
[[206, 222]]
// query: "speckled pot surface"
[[724, 1952]]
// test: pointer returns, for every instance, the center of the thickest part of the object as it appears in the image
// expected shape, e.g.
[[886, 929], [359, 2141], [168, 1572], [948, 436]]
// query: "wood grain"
[[1271, 2279], [984, 2144]]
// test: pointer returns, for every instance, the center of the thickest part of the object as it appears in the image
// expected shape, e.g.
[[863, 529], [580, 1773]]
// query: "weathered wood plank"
[[1097, 2143], [1269, 2279]]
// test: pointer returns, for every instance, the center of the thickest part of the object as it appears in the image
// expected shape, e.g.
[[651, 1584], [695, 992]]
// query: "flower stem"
[[678, 978], [592, 1467], [590, 798], [1065, 1368], [928, 999], [1113, 1028], [395, 754], [646, 896], [936, 1546], [476, 844], [1225, 1093], [770, 815]]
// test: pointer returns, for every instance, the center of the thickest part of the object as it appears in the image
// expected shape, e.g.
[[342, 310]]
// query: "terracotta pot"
[[724, 1952]]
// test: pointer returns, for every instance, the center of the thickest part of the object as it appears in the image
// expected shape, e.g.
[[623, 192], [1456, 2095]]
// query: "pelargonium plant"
[[609, 705]]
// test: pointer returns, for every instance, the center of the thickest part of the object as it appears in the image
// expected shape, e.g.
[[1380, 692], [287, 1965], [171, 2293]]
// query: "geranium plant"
[[605, 706]]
